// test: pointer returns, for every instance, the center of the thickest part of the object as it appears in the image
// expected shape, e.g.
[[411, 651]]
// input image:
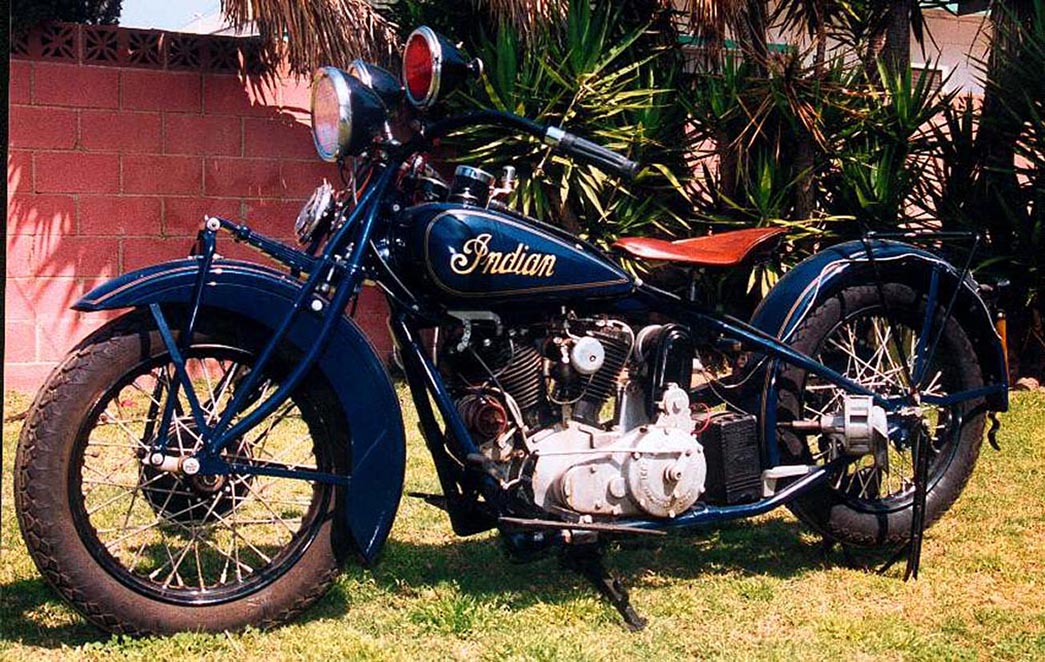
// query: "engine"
[[582, 417]]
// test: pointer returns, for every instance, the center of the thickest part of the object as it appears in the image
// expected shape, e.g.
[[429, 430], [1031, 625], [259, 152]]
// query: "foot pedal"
[[437, 500], [541, 524]]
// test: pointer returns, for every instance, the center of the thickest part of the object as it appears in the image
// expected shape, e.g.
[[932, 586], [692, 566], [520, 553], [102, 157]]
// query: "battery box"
[[734, 466]]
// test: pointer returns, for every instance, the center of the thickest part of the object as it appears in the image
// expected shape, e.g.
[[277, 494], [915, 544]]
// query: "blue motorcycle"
[[210, 458]]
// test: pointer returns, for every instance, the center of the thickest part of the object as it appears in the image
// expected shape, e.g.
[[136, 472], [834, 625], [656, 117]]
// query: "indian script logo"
[[476, 255]]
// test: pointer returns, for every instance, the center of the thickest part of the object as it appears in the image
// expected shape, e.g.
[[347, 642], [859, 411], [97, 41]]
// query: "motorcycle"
[[210, 458]]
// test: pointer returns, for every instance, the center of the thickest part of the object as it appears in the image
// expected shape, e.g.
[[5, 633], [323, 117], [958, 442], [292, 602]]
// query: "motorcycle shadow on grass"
[[773, 546], [32, 614], [770, 546]]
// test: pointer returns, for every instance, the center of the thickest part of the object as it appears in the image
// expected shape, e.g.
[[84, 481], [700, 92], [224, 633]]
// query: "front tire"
[[870, 504], [140, 551]]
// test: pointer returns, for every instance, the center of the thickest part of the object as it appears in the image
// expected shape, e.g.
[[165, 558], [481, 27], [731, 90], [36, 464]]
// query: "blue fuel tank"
[[474, 257]]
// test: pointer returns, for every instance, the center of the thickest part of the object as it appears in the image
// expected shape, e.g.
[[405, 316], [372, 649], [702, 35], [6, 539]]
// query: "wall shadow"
[[63, 240]]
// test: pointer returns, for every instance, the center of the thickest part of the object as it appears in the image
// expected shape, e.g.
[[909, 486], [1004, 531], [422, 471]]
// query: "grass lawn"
[[760, 589]]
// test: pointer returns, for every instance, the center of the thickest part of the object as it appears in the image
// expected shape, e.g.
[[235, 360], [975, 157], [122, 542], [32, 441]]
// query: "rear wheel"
[[141, 550], [870, 502]]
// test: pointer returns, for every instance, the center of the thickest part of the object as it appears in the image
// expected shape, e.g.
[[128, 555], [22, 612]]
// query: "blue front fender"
[[349, 363]]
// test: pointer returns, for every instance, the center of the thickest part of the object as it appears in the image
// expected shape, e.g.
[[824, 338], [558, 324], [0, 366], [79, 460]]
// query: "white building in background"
[[955, 47]]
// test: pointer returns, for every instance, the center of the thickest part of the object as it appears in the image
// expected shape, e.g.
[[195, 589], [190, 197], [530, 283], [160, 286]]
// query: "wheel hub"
[[198, 499], [208, 484]]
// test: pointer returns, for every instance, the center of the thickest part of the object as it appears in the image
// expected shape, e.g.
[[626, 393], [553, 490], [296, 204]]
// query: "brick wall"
[[113, 162]]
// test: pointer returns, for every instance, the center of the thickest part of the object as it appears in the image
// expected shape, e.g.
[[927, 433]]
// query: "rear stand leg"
[[913, 548], [587, 560]]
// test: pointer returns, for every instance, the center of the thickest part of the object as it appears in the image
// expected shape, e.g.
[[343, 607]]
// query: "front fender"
[[349, 363]]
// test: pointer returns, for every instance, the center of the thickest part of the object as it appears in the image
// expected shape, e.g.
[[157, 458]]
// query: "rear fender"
[[824, 274], [349, 363]]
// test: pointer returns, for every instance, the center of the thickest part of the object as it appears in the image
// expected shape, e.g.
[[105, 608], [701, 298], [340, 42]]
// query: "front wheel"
[[870, 503], [139, 550]]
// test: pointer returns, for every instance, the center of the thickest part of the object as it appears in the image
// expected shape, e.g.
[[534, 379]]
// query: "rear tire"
[[139, 551], [869, 505]]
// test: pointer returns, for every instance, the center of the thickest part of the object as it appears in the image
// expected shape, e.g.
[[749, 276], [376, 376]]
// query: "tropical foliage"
[[1011, 178], [596, 80], [829, 140], [994, 157]]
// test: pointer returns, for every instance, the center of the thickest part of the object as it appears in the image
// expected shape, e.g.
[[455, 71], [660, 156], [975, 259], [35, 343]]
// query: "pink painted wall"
[[113, 163], [956, 46]]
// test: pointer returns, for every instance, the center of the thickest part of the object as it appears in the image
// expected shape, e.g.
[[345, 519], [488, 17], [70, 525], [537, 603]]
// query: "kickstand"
[[828, 545], [913, 548], [587, 560]]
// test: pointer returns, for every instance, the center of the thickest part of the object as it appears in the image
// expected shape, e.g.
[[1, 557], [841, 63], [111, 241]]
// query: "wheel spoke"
[[129, 489], [865, 349], [260, 499], [179, 535]]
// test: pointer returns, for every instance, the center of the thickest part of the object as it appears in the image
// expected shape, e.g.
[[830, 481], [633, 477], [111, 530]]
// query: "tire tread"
[[36, 441]]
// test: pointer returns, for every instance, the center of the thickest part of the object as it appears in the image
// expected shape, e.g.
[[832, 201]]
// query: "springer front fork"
[[330, 265]]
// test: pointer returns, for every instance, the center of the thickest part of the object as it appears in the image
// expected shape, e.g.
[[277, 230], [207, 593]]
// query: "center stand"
[[587, 559]]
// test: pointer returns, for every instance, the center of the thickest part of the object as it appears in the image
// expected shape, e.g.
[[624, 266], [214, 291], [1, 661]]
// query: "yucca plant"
[[593, 79], [1011, 175], [948, 190], [1010, 143], [888, 151]]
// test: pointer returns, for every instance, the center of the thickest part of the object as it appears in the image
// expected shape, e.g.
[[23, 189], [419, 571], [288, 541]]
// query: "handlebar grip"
[[597, 155]]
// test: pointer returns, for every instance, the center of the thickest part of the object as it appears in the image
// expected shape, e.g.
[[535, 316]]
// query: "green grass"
[[759, 589]]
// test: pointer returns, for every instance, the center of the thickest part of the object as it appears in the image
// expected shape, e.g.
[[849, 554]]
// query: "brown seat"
[[718, 250]]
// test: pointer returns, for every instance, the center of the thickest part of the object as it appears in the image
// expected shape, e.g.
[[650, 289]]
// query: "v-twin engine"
[[535, 400], [657, 468]]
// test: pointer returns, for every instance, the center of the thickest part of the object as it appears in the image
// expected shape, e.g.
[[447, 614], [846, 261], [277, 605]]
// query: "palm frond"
[[712, 19], [318, 32], [713, 22], [525, 15]]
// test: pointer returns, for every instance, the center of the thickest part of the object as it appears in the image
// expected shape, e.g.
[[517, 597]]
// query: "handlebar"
[[597, 155], [568, 143]]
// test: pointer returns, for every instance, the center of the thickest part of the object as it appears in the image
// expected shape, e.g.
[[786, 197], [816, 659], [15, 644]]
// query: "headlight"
[[345, 114], [381, 81], [432, 65]]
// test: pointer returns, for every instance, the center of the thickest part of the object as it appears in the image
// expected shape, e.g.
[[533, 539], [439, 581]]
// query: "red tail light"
[[432, 66], [420, 67]]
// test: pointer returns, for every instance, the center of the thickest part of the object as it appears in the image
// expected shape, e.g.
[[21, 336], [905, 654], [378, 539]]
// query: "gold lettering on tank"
[[476, 255]]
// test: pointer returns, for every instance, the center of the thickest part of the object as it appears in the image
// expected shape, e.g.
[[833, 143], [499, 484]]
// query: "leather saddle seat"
[[725, 249]]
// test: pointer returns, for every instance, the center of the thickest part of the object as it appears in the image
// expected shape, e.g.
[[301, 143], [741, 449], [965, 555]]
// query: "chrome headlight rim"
[[343, 94]]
